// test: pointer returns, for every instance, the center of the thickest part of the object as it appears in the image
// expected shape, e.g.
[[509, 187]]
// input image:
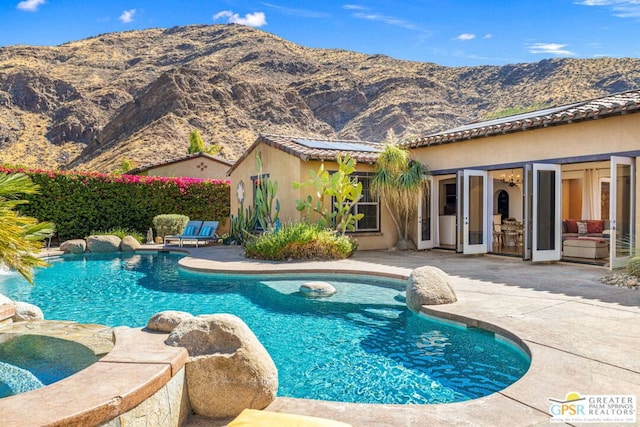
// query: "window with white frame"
[[368, 205]]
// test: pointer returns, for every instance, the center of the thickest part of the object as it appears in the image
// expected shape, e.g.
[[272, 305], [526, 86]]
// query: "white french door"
[[546, 212], [426, 223], [621, 210], [474, 193]]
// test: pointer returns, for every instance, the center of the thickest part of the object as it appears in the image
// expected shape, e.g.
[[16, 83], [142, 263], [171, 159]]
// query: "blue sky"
[[452, 33]]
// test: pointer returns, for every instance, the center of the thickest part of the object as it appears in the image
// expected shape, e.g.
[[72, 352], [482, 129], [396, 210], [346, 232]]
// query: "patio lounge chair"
[[207, 234], [190, 230]]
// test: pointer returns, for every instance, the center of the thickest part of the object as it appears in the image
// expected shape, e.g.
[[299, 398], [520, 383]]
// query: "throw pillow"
[[188, 231], [206, 231], [572, 226], [582, 227], [595, 226]]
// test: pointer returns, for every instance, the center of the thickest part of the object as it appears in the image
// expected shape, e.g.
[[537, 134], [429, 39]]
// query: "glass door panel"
[[425, 217], [474, 221], [546, 235], [527, 210], [621, 211]]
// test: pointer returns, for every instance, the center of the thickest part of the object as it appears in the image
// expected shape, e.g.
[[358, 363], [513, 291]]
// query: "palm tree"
[[20, 236], [397, 181]]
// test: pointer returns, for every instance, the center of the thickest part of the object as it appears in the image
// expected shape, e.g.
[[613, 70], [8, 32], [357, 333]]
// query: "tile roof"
[[148, 166], [317, 149], [619, 103]]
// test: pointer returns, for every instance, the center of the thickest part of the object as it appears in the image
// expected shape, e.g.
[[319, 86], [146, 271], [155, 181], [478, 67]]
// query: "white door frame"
[[554, 252], [467, 246], [429, 243], [616, 261]]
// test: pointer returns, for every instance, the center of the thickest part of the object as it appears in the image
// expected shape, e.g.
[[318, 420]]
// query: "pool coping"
[[138, 365]]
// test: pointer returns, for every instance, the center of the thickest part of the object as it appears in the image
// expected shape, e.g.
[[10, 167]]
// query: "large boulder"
[[6, 300], [166, 321], [105, 243], [228, 369], [26, 311], [73, 246], [429, 286], [129, 244], [7, 309], [317, 289]]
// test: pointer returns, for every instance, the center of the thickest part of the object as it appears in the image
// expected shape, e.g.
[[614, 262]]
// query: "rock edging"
[[100, 244]]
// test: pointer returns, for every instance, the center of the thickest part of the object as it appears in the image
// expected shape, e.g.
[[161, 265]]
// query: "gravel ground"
[[622, 279]]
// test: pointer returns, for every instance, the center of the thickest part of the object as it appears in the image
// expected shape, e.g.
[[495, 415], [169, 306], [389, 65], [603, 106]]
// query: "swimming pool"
[[361, 345]]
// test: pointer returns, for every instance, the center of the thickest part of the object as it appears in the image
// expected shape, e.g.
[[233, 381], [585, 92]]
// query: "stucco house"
[[518, 185], [287, 159], [197, 165]]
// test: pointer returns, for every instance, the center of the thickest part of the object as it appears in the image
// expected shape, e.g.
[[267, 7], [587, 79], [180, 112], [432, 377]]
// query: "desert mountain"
[[89, 104]]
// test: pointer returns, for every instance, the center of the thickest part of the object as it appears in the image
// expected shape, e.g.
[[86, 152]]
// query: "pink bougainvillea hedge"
[[79, 203]]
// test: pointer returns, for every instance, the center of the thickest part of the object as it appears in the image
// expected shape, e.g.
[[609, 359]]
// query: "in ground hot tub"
[[28, 362]]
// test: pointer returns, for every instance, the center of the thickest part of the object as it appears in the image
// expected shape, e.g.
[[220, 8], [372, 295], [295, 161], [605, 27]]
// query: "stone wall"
[[168, 407]]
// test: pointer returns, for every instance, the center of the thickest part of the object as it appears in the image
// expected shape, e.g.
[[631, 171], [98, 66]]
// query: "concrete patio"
[[584, 336]]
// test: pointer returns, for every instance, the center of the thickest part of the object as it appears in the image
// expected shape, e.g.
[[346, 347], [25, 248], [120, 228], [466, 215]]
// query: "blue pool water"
[[360, 345], [28, 362]]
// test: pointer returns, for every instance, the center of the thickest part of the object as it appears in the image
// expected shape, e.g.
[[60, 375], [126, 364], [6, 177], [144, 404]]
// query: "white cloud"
[[304, 13], [621, 8], [256, 19], [127, 16], [390, 20], [465, 37], [30, 5], [550, 48], [488, 36], [353, 7]]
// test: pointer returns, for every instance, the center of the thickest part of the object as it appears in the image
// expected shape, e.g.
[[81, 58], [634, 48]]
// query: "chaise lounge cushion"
[[252, 417], [189, 231]]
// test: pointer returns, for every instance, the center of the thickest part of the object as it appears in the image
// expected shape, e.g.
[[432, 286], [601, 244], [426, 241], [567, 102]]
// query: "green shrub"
[[121, 233], [169, 224], [633, 266], [301, 241]]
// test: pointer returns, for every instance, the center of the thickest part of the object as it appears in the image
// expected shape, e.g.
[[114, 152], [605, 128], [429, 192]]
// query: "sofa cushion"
[[572, 225], [582, 227], [595, 226]]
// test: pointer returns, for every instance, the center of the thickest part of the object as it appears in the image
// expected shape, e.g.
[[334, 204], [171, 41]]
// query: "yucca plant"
[[398, 181], [20, 236]]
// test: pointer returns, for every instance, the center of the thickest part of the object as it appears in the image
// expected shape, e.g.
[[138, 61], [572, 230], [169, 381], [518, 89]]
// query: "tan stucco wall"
[[637, 202], [611, 135], [608, 135], [287, 169], [281, 167], [189, 168]]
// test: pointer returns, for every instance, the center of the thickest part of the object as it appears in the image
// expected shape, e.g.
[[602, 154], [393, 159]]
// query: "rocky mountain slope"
[[88, 104]]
